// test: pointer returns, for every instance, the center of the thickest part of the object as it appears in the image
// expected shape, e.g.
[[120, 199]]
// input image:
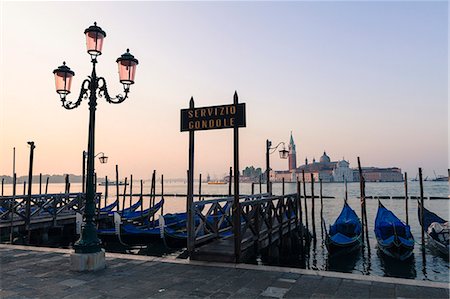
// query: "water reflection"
[[396, 268], [343, 263]]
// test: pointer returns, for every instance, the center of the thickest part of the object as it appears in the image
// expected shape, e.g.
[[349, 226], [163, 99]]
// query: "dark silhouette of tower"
[[292, 155]]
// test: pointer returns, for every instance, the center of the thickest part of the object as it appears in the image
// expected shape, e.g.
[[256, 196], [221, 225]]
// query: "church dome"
[[325, 158]]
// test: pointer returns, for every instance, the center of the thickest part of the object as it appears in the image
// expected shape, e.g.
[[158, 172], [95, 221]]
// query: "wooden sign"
[[213, 117]]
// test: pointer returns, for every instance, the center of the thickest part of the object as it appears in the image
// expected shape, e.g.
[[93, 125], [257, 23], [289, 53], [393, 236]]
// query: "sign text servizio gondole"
[[214, 117]]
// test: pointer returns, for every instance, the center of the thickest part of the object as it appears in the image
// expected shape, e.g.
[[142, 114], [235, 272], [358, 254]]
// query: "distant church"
[[292, 160], [330, 171]]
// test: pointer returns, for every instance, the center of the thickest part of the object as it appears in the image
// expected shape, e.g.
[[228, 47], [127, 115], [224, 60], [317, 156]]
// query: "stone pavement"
[[44, 273]]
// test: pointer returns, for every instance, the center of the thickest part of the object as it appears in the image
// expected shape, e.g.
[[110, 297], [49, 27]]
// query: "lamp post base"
[[87, 261]]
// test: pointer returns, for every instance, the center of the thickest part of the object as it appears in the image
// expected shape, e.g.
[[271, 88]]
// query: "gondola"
[[139, 234], [344, 235], [437, 230], [393, 236], [175, 228], [143, 215], [110, 207]]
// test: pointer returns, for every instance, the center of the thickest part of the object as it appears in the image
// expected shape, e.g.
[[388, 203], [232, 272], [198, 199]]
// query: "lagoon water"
[[434, 267]]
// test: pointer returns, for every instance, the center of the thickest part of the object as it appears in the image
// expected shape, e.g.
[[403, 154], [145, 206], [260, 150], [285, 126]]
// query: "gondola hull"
[[399, 251], [433, 239], [344, 235], [337, 248], [393, 236]]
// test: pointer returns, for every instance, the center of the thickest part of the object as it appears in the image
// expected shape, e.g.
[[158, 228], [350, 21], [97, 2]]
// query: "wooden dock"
[[264, 220]]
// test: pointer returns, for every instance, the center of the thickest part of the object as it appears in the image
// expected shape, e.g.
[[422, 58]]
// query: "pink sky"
[[330, 72]]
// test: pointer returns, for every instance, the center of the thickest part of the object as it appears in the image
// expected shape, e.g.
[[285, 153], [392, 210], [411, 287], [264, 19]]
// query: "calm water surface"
[[434, 267]]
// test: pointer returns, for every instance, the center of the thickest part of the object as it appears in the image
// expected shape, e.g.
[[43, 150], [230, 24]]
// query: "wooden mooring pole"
[[3, 182], [117, 187], [30, 184], [83, 173], [406, 198], [230, 181], [260, 184], [162, 193], [11, 209], [282, 186], [305, 202], [46, 185], [106, 190], [131, 189], [141, 198], [361, 196], [313, 207], [40, 183], [124, 194], [200, 187], [421, 208], [345, 189], [154, 189], [253, 188], [321, 206], [299, 202], [24, 187]]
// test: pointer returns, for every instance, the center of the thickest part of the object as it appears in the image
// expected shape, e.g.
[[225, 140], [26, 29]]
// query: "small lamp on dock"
[[103, 159], [270, 150], [284, 153]]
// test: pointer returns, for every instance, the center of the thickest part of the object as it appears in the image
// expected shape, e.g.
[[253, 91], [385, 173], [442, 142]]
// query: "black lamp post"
[[90, 88], [270, 150]]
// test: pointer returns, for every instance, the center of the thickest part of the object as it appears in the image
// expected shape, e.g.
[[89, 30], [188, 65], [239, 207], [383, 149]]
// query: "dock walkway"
[[36, 272]]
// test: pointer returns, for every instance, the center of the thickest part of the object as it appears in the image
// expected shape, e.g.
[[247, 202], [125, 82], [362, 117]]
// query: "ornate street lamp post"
[[270, 150], [91, 88]]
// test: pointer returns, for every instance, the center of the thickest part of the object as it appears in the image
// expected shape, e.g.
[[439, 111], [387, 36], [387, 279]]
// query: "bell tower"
[[292, 154]]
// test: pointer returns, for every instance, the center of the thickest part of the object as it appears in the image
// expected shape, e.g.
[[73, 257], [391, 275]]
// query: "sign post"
[[190, 195], [236, 205], [212, 118]]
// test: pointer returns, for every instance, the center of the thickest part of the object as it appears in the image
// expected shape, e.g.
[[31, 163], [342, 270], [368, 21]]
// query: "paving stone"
[[47, 275], [72, 282], [287, 280], [290, 275], [221, 295], [246, 293], [319, 295], [17, 271], [274, 292]]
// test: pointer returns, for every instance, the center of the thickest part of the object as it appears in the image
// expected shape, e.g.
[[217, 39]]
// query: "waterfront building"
[[331, 171], [342, 172], [375, 174]]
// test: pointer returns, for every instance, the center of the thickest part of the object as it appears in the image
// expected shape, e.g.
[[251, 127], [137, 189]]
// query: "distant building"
[[375, 174], [292, 158], [331, 171], [342, 172]]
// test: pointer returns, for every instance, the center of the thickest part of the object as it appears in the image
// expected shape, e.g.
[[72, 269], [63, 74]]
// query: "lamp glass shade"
[[94, 39], [94, 42], [284, 154], [127, 68], [103, 159], [127, 71], [63, 79]]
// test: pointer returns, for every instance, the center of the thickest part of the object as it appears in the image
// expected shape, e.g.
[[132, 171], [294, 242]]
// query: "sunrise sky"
[[366, 79]]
